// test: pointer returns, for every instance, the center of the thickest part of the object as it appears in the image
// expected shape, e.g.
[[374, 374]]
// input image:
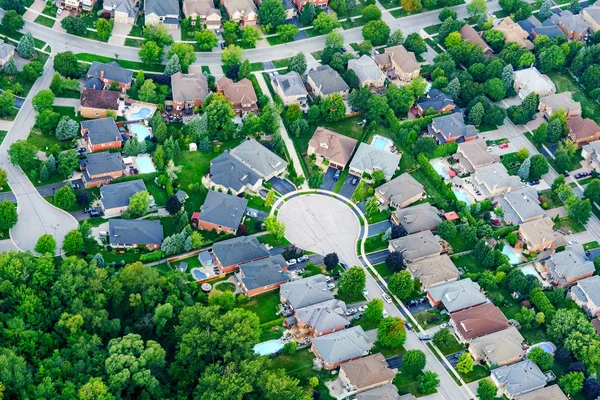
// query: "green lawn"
[[2, 136], [565, 83], [468, 263], [511, 162], [264, 306], [459, 244], [383, 270], [350, 299], [366, 324], [433, 29], [192, 262], [270, 240], [431, 318], [68, 112], [159, 194], [479, 372], [570, 225], [45, 21], [407, 162], [380, 216], [257, 203], [375, 243], [43, 141], [387, 352], [452, 347], [225, 287], [550, 199], [591, 245], [133, 65]]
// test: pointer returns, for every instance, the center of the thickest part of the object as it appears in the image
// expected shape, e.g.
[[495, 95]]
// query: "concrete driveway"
[[119, 33]]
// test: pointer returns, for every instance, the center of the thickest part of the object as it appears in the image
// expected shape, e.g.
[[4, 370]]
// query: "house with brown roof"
[[538, 235], [477, 322], [500, 348], [553, 392], [434, 271], [243, 12], [189, 92], [564, 100], [400, 192], [398, 63], [331, 147], [514, 33], [360, 375], [241, 95], [96, 103], [204, 10], [572, 25], [591, 15], [582, 130], [417, 218], [473, 155], [472, 36]]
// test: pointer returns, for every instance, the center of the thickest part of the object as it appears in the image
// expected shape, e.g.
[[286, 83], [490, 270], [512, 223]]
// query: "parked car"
[[87, 210], [337, 175], [408, 325], [349, 312], [344, 50], [291, 262], [330, 286], [503, 146], [251, 214], [363, 308], [365, 292], [490, 148], [354, 181], [303, 258], [566, 173], [384, 314], [345, 266], [424, 337], [387, 298], [327, 279], [59, 11], [96, 213], [533, 183]]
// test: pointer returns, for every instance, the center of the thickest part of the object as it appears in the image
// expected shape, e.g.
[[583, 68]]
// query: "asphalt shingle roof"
[[135, 231], [258, 157], [520, 378], [102, 130], [435, 99], [342, 345], [419, 218], [118, 194], [265, 272], [223, 209], [417, 245], [570, 263], [370, 158], [458, 295], [589, 288], [239, 250], [103, 163], [291, 84], [229, 172], [112, 71], [328, 80], [162, 8], [306, 291], [324, 316]]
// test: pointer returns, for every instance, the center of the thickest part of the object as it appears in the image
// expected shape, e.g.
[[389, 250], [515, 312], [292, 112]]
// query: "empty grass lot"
[[565, 83]]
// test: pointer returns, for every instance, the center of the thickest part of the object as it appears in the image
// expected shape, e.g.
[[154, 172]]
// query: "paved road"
[[36, 216]]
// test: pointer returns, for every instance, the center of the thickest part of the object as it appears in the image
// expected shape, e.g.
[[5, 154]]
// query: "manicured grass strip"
[[383, 270], [479, 372], [591, 245], [133, 65], [45, 21], [131, 42]]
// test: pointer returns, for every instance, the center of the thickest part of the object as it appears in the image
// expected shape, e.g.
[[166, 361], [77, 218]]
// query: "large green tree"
[[352, 282]]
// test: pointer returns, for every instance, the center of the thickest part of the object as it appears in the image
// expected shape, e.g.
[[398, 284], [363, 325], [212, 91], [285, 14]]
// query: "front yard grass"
[[569, 225], [43, 141], [350, 299], [591, 245], [264, 306], [382, 215], [272, 241], [45, 21], [551, 199], [133, 65], [375, 243], [479, 372], [452, 347], [383, 270], [387, 352], [511, 162], [431, 318], [257, 203]]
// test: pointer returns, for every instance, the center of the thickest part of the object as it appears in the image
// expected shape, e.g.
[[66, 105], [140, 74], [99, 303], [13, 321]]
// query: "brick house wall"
[[207, 226], [261, 290]]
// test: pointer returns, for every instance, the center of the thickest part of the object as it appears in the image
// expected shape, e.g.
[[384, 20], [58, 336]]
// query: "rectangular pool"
[[141, 131], [439, 168], [379, 143], [462, 196], [145, 165], [513, 258]]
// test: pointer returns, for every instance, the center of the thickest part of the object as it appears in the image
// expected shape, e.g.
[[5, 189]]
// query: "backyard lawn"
[[551, 199], [468, 263], [458, 244], [565, 83], [432, 192], [264, 305], [225, 286]]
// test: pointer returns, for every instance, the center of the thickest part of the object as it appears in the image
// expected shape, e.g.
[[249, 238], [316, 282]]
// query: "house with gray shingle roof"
[[165, 12], [222, 212], [123, 11], [230, 254], [436, 100], [417, 218], [262, 160], [434, 271], [305, 292], [114, 198], [553, 392], [263, 275], [518, 379], [451, 128], [367, 71], [101, 168], [591, 15], [456, 296], [101, 134], [290, 88], [385, 392], [340, 347], [571, 24], [325, 81], [416, 247], [135, 232], [102, 75], [586, 293], [7, 51], [494, 180], [569, 266], [228, 173], [400, 192], [321, 318], [369, 159], [499, 348], [521, 206]]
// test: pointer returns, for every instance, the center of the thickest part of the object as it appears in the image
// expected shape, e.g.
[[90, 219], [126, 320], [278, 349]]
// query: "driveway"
[[8, 196], [281, 186], [328, 181], [119, 33], [260, 215], [378, 257], [377, 228], [419, 307], [348, 188], [48, 190]]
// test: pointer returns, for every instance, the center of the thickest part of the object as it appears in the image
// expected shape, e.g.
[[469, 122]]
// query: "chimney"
[[101, 74]]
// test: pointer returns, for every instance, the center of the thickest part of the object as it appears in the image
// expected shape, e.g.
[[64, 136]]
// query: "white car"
[[384, 314], [330, 286], [363, 308], [365, 292], [574, 241], [490, 148], [291, 262], [387, 298], [59, 11]]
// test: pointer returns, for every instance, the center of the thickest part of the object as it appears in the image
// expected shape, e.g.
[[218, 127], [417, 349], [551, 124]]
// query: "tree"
[[275, 227], [271, 13], [298, 62], [333, 108], [308, 14], [443, 338], [139, 203], [73, 242], [23, 154], [413, 362], [539, 166], [43, 100], [395, 261], [270, 198], [540, 134], [371, 13], [334, 40], [352, 282], [572, 382], [7, 103], [26, 46], [147, 91], [325, 23], [552, 58], [10, 68], [219, 114], [545, 10], [396, 38], [398, 231], [331, 261], [159, 34], [592, 190], [391, 332], [185, 52], [287, 32], [374, 311], [574, 7], [565, 154], [495, 88], [446, 13], [83, 198], [401, 284], [543, 359], [411, 6], [66, 64], [465, 363], [173, 66], [104, 28], [67, 128], [8, 215], [377, 32], [428, 382], [415, 43], [486, 390], [231, 55], [65, 198], [522, 154], [33, 70], [74, 25], [578, 209], [12, 21], [476, 114], [477, 7], [250, 35], [151, 53], [591, 388], [206, 39], [46, 244]]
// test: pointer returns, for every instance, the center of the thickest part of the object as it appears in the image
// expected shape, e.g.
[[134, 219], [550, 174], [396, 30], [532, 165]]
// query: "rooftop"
[[103, 163], [479, 321], [161, 8], [117, 195], [342, 345], [328, 80], [531, 80], [473, 154], [324, 316], [291, 84], [453, 126], [306, 291], [572, 22], [189, 87], [366, 69], [562, 100], [499, 347], [588, 288], [239, 250], [238, 92], [386, 392], [401, 189], [458, 295], [521, 205], [371, 158], [368, 371], [538, 231], [229, 172], [549, 392], [256, 156], [416, 246], [471, 35], [111, 71], [434, 271], [223, 209], [102, 130], [332, 145], [520, 378], [435, 99], [102, 99], [582, 128], [404, 59], [569, 264], [135, 231], [418, 218], [265, 272]]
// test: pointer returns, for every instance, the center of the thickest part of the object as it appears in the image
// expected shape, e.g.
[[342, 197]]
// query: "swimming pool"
[[268, 347], [141, 113], [140, 131], [462, 196], [546, 346], [145, 165], [198, 275], [381, 143], [513, 258], [439, 168], [529, 270]]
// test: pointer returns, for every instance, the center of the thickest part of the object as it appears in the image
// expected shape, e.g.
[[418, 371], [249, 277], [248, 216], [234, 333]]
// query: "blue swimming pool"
[[140, 131], [462, 196], [546, 346], [142, 113], [380, 143], [199, 275], [513, 258], [439, 168], [145, 165], [268, 347]]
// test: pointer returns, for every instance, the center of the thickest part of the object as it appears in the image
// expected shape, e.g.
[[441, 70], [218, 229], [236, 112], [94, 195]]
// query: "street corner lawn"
[[431, 318]]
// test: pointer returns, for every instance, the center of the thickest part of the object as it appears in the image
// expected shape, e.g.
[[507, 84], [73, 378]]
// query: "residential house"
[[123, 11], [456, 296], [291, 10], [494, 180], [321, 318], [7, 51], [101, 168], [416, 247], [221, 212], [114, 198], [569, 266], [325, 81], [538, 235], [500, 348], [305, 292], [518, 379], [591, 154], [97, 103], [582, 130], [260, 159], [132, 233], [549, 392], [436, 100], [591, 15], [514, 33], [398, 63], [103, 75], [230, 254], [263, 275], [521, 206], [400, 192], [76, 5], [586, 293], [417, 218], [204, 11], [367, 71], [530, 80], [564, 101], [369, 159], [331, 147], [473, 155], [322, 4], [101, 134], [243, 12], [472, 36], [573, 25], [340, 347], [547, 28], [189, 92], [290, 88], [478, 321], [434, 271], [366, 373], [386, 392], [451, 128], [164, 12], [241, 95]]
